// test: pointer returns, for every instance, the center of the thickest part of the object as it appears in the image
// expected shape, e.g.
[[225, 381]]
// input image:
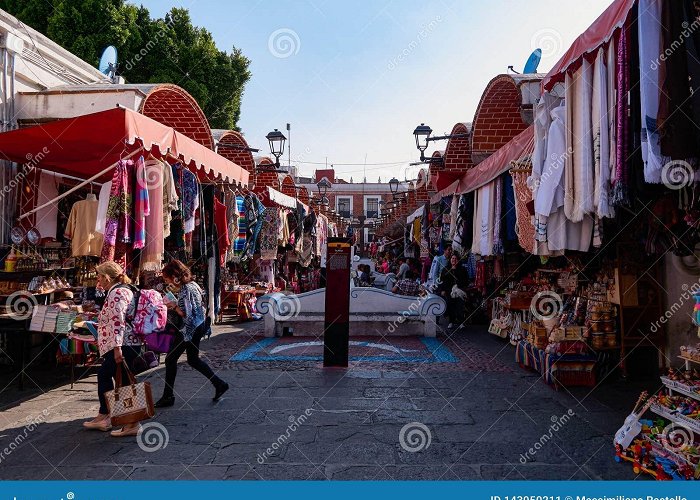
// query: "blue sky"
[[355, 78]]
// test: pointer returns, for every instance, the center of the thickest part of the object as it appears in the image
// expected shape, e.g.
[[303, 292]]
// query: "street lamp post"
[[276, 140]]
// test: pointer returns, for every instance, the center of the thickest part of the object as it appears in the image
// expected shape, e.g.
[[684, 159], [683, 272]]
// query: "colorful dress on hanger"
[[239, 243], [141, 202], [269, 234], [118, 225]]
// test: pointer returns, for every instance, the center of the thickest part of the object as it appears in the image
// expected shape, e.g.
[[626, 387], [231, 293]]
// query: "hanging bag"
[[129, 404]]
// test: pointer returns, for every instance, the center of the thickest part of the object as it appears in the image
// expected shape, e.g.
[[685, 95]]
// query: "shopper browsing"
[[190, 307], [115, 340]]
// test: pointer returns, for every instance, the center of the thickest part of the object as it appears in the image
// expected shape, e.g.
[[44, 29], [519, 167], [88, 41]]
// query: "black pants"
[[455, 310], [193, 359], [108, 371]]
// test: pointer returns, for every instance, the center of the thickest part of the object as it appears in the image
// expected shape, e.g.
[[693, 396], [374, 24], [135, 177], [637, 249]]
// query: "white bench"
[[372, 312]]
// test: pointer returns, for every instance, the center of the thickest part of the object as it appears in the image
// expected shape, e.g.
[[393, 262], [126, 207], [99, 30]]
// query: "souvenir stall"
[[155, 186], [280, 245]]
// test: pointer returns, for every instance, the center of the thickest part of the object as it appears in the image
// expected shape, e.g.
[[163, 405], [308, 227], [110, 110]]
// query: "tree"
[[168, 50]]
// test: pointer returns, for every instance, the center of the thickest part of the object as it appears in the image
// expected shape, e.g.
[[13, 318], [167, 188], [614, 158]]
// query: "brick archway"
[[265, 175], [458, 154], [498, 117], [288, 186], [232, 145], [304, 196], [175, 107]]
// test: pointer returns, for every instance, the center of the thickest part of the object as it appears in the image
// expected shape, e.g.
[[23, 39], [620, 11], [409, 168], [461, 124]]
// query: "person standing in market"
[[116, 341], [452, 287], [440, 263], [189, 307]]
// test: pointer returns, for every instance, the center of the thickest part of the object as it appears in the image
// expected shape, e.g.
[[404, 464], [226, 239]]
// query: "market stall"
[[137, 192]]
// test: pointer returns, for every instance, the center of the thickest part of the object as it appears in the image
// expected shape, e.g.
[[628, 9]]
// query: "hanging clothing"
[[509, 208], [306, 253], [190, 203], [620, 194], [154, 248], [487, 217], [170, 198], [611, 75], [102, 204], [118, 226], [141, 204], [457, 223], [649, 27], [177, 223], [601, 139], [239, 242], [497, 218], [578, 179], [269, 234], [221, 221], [81, 229], [679, 104], [542, 121], [454, 210]]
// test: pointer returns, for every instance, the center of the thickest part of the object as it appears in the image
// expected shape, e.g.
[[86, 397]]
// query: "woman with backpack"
[[189, 307], [116, 341]]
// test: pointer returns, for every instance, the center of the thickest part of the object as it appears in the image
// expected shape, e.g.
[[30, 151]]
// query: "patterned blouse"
[[190, 300], [114, 327]]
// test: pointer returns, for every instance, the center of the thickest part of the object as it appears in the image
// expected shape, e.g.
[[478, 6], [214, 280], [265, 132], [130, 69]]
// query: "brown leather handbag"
[[129, 404]]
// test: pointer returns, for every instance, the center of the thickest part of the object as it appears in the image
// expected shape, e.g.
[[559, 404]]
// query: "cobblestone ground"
[[455, 408]]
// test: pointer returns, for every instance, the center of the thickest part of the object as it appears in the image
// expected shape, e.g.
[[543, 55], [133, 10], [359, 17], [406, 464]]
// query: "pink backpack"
[[150, 314]]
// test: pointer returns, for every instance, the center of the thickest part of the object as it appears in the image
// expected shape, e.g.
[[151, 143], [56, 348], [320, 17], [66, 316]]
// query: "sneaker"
[[220, 391]]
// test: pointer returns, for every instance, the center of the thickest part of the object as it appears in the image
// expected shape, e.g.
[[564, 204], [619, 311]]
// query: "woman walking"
[[454, 275], [190, 307], [116, 341]]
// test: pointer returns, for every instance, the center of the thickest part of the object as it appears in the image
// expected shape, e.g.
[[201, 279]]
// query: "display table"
[[556, 370], [235, 303]]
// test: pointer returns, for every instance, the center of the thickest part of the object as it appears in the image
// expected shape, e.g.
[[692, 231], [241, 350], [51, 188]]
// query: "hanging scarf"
[[142, 206], [239, 243], [117, 227], [497, 222], [601, 140], [649, 49], [152, 254], [621, 181], [269, 235], [177, 224]]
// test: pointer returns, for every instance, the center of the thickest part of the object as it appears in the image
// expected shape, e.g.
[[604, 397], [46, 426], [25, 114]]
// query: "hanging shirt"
[[221, 221], [81, 229], [102, 204]]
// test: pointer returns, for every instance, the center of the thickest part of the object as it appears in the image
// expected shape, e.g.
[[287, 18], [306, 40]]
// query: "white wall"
[[679, 327]]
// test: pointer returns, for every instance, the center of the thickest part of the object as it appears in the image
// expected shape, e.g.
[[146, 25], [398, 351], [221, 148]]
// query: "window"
[[344, 208], [372, 207]]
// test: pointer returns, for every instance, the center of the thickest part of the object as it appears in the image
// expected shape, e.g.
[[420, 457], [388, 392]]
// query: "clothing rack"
[[78, 186]]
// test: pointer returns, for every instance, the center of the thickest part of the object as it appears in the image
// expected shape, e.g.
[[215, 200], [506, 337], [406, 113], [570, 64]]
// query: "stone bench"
[[372, 312]]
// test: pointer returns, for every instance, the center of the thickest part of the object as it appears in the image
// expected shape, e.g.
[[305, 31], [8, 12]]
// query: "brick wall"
[[174, 107], [498, 118]]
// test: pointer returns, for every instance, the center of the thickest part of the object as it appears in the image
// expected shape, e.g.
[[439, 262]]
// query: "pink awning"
[[85, 145], [597, 34], [498, 163], [448, 191]]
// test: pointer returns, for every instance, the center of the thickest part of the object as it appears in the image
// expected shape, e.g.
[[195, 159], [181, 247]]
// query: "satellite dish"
[[108, 62], [533, 61]]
